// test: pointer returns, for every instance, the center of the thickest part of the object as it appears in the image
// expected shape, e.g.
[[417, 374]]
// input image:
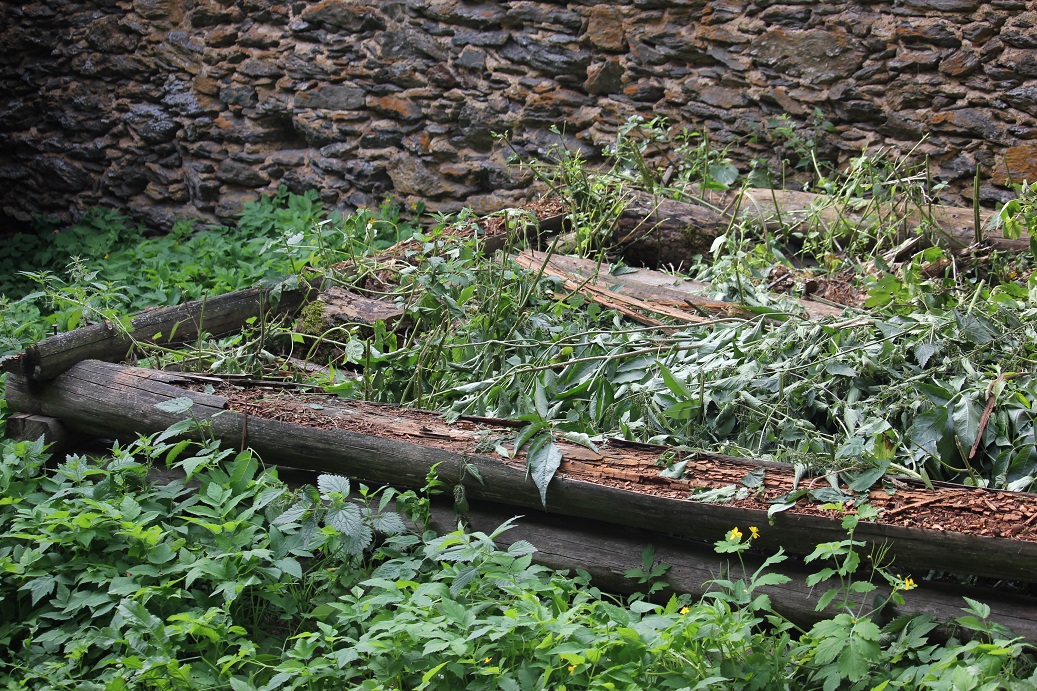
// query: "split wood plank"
[[386, 445], [645, 289]]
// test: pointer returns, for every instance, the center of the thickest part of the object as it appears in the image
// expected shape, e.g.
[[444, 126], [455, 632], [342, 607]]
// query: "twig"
[[908, 507]]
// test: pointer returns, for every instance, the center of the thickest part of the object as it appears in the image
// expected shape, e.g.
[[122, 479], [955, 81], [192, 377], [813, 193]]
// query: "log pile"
[[603, 505]]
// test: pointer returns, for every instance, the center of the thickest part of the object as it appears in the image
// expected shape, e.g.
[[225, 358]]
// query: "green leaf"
[[388, 523], [754, 478], [829, 495], [332, 484], [924, 352], [720, 495], [928, 429], [864, 480], [580, 438], [839, 369], [290, 566], [175, 406], [346, 519], [542, 461], [976, 328], [40, 587], [677, 388], [675, 471], [966, 417], [527, 433]]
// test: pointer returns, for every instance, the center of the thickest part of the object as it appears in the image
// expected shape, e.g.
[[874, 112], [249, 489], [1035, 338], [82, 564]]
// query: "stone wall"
[[173, 108]]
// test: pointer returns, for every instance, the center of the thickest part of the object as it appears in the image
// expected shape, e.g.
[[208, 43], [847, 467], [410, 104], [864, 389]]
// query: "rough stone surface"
[[189, 109], [1021, 162]]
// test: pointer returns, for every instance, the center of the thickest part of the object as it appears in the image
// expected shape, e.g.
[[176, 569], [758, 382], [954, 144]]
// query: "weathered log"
[[166, 326], [608, 552], [655, 230], [103, 399]]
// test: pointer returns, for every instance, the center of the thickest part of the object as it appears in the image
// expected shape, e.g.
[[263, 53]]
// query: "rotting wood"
[[24, 427], [387, 445], [342, 306], [645, 289], [165, 326]]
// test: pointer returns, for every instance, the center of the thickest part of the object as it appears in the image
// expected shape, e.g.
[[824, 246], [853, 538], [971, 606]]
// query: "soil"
[[840, 288], [636, 467]]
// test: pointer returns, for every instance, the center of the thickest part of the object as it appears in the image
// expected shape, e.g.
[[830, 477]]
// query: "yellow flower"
[[685, 610], [909, 583], [486, 661], [735, 534], [572, 669], [754, 532]]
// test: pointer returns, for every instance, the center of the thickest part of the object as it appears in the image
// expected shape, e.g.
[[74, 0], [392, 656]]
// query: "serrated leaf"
[[800, 473], [924, 352], [175, 406], [346, 519], [976, 328], [527, 433], [676, 387], [928, 429], [41, 587], [779, 507], [355, 543], [268, 495], [292, 514], [473, 470], [521, 548], [829, 495], [839, 369], [332, 484], [852, 448], [540, 402], [388, 523], [580, 438], [864, 480], [290, 566]]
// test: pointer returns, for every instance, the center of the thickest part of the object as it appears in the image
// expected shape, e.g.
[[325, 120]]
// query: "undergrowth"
[[228, 578]]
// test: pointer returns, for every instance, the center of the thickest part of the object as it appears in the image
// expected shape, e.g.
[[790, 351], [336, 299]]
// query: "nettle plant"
[[227, 578]]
